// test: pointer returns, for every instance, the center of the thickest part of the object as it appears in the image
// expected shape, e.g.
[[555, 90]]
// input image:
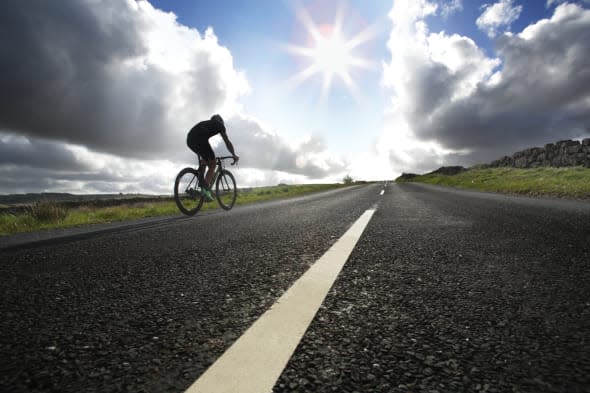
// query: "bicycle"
[[188, 184]]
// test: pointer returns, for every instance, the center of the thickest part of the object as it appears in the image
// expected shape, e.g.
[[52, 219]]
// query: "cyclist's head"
[[217, 118]]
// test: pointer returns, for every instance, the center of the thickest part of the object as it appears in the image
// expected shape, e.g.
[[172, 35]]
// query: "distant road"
[[445, 291]]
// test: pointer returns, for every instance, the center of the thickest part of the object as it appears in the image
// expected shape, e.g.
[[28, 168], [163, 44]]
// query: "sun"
[[329, 53]]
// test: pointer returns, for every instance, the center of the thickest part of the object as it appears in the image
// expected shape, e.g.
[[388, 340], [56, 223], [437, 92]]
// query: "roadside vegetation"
[[565, 182], [49, 214]]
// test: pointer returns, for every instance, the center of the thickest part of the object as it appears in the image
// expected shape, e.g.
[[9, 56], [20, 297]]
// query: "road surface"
[[443, 291]]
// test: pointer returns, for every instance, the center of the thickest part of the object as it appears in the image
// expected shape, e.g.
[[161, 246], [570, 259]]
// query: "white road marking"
[[256, 360]]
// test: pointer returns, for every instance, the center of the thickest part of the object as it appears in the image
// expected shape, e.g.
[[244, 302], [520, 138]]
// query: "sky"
[[98, 96]]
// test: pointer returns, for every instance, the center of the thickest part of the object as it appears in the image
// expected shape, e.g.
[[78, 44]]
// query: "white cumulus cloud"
[[121, 82], [450, 7], [498, 15], [551, 3], [123, 78], [452, 104]]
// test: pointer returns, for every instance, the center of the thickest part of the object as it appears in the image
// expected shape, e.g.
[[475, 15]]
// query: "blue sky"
[[100, 95], [255, 32], [256, 37]]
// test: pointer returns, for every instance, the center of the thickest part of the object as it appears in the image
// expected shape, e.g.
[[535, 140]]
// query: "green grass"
[[49, 215], [568, 182], [282, 191]]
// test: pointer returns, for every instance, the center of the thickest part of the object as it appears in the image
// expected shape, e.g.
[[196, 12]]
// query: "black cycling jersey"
[[207, 128], [198, 138]]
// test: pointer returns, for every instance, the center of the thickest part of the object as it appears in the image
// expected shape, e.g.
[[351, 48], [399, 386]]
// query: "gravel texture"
[[148, 310], [451, 291]]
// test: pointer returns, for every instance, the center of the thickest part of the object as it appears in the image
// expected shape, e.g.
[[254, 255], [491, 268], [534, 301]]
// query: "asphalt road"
[[445, 291]]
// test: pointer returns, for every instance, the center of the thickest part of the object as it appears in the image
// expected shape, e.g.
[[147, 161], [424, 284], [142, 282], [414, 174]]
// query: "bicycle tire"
[[186, 195], [226, 191]]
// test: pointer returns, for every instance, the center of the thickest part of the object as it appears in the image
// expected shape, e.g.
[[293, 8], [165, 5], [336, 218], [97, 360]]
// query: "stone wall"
[[562, 153]]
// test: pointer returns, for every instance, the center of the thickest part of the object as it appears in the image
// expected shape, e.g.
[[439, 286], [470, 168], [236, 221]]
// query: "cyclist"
[[198, 141]]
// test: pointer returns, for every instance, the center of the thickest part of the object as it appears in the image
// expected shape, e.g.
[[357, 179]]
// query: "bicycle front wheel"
[[186, 192], [226, 190]]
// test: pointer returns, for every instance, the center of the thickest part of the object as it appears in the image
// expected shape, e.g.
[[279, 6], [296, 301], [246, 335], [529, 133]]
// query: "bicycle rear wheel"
[[226, 190], [186, 191]]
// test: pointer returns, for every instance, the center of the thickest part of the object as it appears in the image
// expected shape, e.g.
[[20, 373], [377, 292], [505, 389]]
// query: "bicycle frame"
[[218, 168]]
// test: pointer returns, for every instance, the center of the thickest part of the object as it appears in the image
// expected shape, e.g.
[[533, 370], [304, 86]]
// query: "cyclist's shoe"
[[207, 195]]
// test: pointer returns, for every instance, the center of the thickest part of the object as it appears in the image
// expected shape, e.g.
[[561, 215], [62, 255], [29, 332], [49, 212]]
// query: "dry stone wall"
[[562, 153]]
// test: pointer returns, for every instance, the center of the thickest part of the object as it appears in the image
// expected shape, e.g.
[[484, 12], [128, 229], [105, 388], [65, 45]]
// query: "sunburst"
[[330, 53]]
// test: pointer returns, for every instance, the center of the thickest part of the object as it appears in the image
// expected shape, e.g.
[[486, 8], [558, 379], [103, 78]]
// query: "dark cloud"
[[18, 179], [33, 165], [57, 67], [35, 153], [21, 181], [73, 175], [539, 94], [120, 81], [80, 71]]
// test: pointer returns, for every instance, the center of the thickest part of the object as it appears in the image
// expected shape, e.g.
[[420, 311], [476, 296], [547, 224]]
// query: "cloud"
[[551, 3], [450, 7], [121, 78], [498, 15], [94, 88], [29, 164], [265, 149], [21, 151], [32, 165], [476, 108]]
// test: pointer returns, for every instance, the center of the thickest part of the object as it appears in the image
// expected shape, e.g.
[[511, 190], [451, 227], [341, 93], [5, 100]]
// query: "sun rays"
[[329, 53]]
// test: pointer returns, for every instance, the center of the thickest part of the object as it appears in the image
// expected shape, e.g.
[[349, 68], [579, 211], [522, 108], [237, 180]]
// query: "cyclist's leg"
[[208, 158], [202, 167], [192, 141], [207, 161], [210, 172]]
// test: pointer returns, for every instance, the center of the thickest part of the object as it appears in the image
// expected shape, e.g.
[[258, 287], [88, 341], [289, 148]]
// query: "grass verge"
[[567, 182], [50, 215]]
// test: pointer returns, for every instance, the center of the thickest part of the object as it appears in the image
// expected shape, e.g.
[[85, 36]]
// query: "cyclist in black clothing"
[[198, 141]]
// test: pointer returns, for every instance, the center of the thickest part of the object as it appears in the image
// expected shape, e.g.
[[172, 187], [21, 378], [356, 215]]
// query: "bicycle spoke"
[[186, 191]]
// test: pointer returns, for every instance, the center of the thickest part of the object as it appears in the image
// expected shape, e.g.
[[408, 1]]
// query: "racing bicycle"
[[188, 187]]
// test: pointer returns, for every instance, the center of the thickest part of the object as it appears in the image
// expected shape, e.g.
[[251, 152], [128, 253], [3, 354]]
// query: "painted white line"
[[256, 360], [382, 192]]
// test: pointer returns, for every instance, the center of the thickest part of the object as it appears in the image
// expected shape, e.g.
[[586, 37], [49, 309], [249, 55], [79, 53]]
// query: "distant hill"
[[25, 199], [448, 170], [565, 153], [30, 198]]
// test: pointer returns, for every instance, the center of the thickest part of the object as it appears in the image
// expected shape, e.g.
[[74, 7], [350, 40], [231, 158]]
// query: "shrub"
[[48, 211], [347, 179]]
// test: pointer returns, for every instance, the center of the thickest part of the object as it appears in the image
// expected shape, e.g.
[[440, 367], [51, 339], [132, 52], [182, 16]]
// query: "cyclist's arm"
[[229, 145]]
